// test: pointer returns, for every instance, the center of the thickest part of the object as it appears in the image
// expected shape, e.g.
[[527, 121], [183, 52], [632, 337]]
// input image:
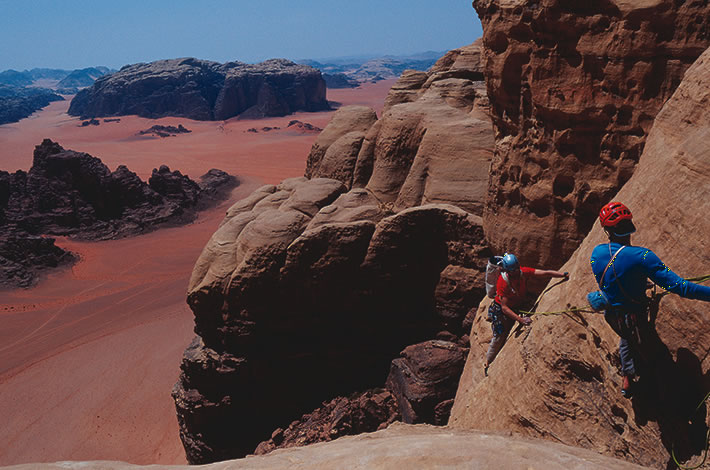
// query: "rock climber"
[[625, 283], [511, 288]]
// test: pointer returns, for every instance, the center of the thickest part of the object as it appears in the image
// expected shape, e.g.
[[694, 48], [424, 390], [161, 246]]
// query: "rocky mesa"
[[203, 90], [71, 193]]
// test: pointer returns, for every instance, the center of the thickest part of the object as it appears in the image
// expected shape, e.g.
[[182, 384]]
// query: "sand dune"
[[89, 356]]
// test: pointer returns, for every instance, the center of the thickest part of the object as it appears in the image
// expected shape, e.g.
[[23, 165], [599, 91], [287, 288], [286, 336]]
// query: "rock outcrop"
[[306, 293], [19, 102], [432, 144], [334, 153], [560, 379], [339, 277], [574, 89], [418, 447], [357, 414], [74, 194], [203, 90]]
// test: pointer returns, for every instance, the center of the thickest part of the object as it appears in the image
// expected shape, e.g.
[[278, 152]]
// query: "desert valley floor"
[[88, 357]]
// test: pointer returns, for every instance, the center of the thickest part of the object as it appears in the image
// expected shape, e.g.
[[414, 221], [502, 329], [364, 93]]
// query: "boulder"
[[574, 89], [424, 379], [203, 90], [560, 379]]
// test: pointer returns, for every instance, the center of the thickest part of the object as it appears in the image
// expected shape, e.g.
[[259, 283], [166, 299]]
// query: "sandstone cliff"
[[313, 291], [574, 89], [203, 90], [560, 379], [431, 145]]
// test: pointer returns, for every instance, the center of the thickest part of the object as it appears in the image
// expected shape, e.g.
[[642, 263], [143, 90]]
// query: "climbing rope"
[[587, 309], [707, 437]]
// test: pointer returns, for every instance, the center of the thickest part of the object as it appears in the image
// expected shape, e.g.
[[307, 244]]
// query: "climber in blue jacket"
[[626, 269]]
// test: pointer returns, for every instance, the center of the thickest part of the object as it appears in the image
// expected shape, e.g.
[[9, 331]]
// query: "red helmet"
[[613, 213]]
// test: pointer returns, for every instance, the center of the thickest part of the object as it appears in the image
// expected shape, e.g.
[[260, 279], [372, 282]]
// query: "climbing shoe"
[[626, 386]]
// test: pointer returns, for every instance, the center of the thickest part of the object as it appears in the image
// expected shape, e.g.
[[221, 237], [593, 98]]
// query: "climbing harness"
[[707, 436]]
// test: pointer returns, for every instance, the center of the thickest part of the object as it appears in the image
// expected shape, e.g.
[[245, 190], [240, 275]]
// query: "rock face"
[[432, 144], [422, 380], [204, 90], [334, 153], [357, 414], [306, 293], [574, 89], [74, 194], [560, 380], [18, 102], [400, 446], [340, 283]]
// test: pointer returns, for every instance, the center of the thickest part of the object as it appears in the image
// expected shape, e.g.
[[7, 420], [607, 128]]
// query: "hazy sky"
[[73, 34]]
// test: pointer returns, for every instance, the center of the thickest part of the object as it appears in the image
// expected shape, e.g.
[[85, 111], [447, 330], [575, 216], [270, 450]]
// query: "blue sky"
[[72, 34]]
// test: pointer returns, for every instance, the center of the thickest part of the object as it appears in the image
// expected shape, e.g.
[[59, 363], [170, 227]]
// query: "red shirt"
[[516, 292]]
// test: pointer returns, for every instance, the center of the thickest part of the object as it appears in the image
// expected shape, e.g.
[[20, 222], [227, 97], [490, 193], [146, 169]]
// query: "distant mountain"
[[203, 90], [83, 77], [19, 102], [67, 80], [15, 78], [343, 72]]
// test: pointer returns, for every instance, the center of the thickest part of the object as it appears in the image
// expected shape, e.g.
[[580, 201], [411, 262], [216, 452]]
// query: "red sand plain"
[[88, 357]]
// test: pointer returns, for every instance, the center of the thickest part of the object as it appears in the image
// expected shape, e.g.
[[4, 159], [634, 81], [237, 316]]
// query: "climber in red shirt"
[[511, 288]]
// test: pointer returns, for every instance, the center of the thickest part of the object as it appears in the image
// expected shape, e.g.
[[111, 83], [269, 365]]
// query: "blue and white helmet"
[[509, 262]]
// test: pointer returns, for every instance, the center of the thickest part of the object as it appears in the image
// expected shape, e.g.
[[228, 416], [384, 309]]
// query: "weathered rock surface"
[[433, 143], [400, 446], [23, 256], [74, 194], [344, 133], [203, 90], [424, 380], [19, 102], [560, 379], [574, 89], [357, 414], [306, 293]]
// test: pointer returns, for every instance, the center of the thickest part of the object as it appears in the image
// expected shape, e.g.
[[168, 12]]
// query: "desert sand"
[[88, 356]]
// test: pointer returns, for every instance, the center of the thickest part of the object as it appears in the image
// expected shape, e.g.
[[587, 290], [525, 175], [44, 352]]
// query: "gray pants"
[[501, 325], [626, 324]]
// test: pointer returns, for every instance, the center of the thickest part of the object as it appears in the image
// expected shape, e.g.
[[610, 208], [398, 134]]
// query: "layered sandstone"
[[204, 90], [306, 293], [574, 89], [340, 276], [432, 143], [560, 379]]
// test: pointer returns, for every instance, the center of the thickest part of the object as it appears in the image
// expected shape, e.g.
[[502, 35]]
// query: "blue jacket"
[[633, 266]]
